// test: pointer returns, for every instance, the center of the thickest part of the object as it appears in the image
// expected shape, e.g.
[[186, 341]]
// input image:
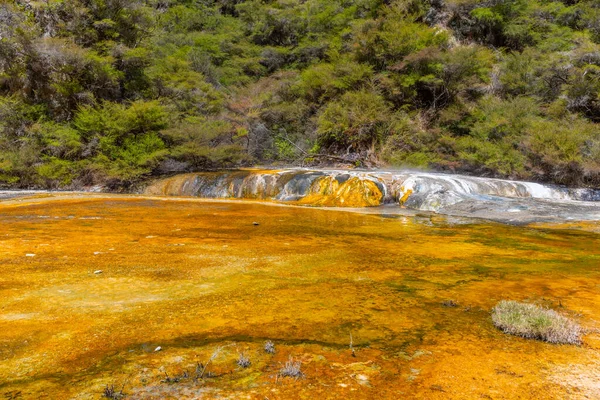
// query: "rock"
[[158, 349], [98, 272], [255, 224]]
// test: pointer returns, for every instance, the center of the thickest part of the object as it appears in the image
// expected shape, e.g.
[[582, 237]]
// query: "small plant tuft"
[[449, 303], [201, 367], [176, 378], [534, 322], [269, 347], [111, 393], [292, 369], [243, 361]]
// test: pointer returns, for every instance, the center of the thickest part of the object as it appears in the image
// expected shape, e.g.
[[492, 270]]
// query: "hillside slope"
[[114, 91]]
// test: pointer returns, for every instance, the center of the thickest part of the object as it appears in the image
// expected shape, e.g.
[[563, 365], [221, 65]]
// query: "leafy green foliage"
[[114, 91], [205, 143], [393, 37], [324, 81], [357, 120]]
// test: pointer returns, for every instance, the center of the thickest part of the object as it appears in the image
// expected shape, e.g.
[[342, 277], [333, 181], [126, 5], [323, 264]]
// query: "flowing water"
[[93, 285], [501, 200]]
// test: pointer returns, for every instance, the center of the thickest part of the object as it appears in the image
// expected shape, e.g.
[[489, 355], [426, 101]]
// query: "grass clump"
[[269, 347], [534, 322], [110, 392], [449, 303], [292, 369], [243, 361]]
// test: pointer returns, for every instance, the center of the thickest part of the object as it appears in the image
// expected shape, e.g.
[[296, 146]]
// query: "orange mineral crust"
[[159, 298]]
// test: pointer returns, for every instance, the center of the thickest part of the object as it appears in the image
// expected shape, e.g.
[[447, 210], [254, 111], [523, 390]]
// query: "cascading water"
[[442, 193], [319, 188]]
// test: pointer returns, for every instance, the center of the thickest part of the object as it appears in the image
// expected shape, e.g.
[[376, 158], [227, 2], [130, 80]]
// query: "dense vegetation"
[[113, 91]]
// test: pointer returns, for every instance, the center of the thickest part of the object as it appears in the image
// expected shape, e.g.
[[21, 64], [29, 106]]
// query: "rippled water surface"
[[192, 276]]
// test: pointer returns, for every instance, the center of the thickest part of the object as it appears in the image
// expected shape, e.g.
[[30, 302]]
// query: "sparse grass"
[[534, 322], [200, 372], [201, 367], [269, 347], [292, 369]]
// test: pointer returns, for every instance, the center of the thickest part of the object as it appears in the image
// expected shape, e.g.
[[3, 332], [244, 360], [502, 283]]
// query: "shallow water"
[[191, 276]]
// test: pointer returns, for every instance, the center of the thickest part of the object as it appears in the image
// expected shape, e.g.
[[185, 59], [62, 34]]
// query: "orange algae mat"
[[192, 277]]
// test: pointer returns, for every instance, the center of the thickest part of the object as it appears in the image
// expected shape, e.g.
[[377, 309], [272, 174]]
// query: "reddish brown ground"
[[191, 276]]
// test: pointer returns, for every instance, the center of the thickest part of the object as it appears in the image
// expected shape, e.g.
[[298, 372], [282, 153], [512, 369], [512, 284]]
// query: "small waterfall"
[[317, 188], [432, 192], [340, 188]]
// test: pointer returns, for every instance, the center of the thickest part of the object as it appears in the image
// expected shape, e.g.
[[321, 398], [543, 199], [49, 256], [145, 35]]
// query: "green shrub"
[[495, 130], [435, 78], [206, 144], [326, 80], [133, 159], [499, 158], [357, 120], [57, 173], [122, 141], [58, 140], [188, 90], [390, 39], [409, 145], [120, 90], [566, 150]]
